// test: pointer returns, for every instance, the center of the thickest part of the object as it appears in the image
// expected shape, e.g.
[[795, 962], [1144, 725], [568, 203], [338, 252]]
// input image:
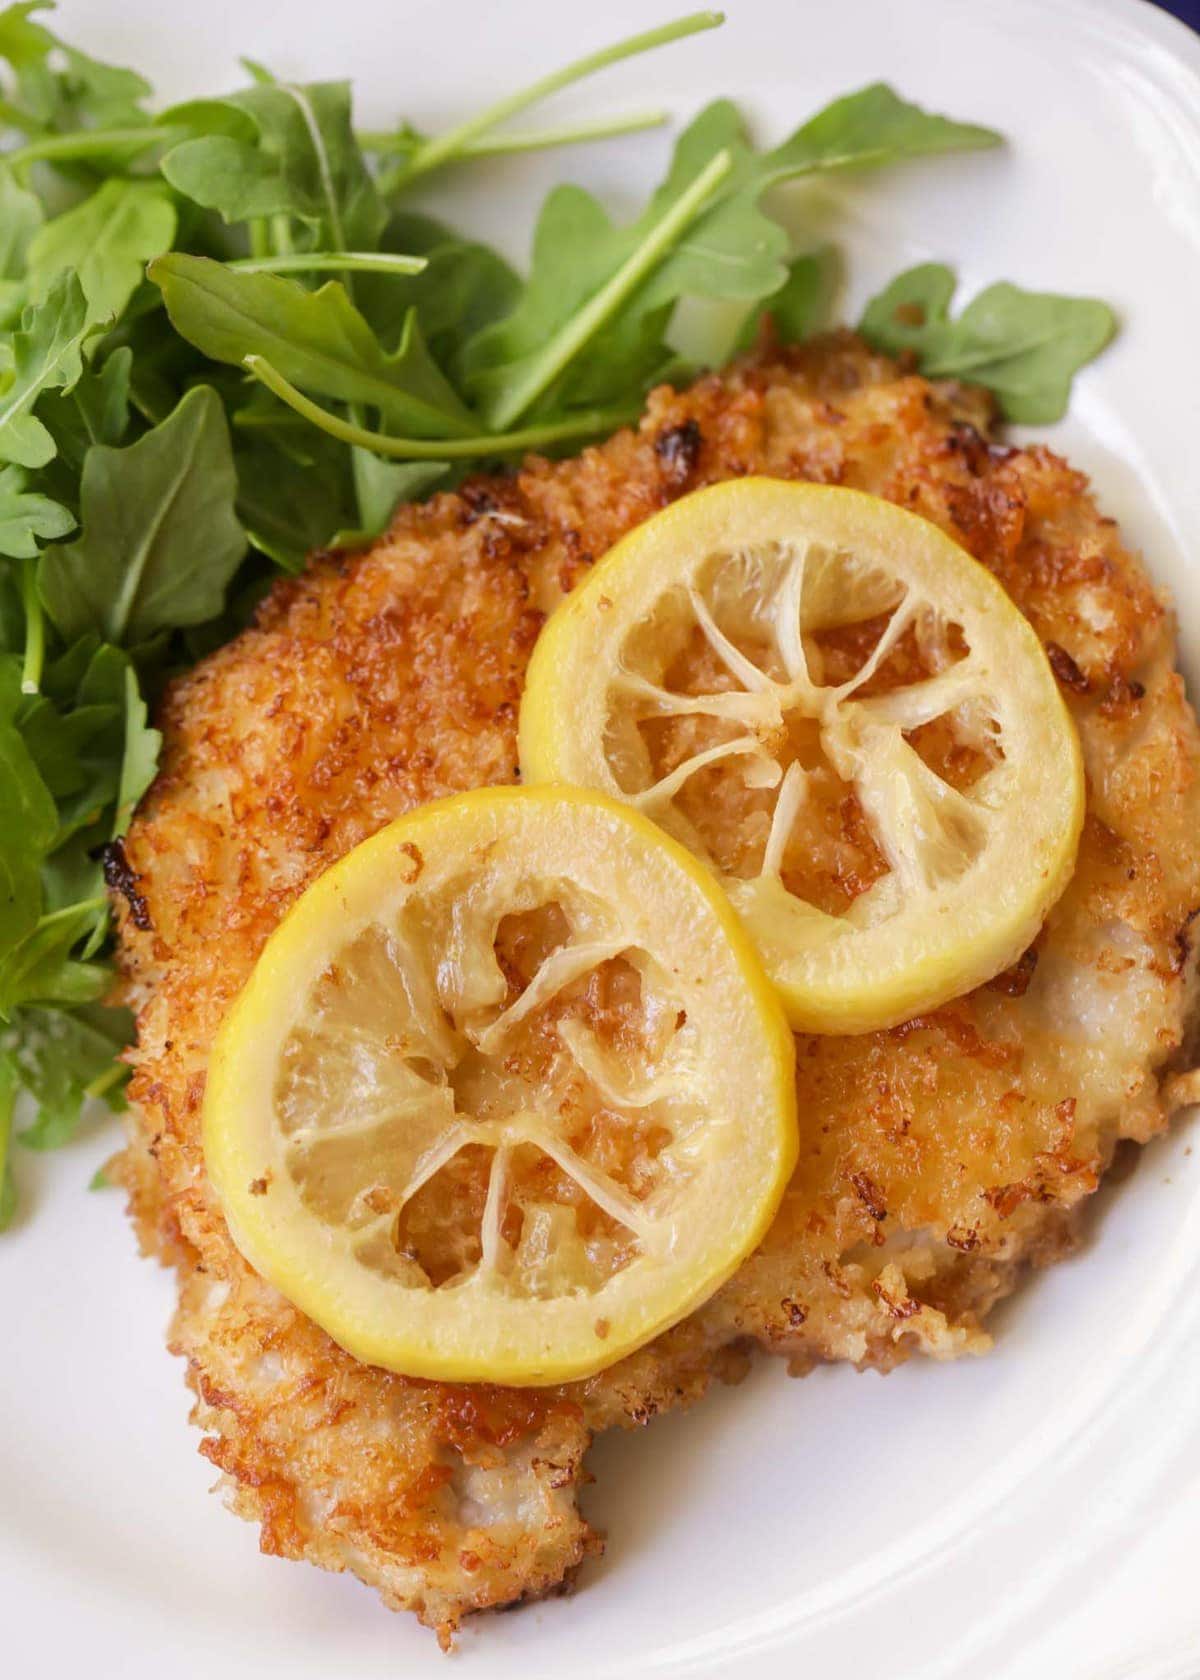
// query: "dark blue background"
[[1188, 10]]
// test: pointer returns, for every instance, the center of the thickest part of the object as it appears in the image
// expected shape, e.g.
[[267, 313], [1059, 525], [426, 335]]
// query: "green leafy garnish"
[[28, 823], [1026, 347], [107, 241], [801, 305], [27, 518], [228, 338], [139, 759], [317, 340], [160, 537], [706, 224], [65, 1059], [278, 149], [47, 354]]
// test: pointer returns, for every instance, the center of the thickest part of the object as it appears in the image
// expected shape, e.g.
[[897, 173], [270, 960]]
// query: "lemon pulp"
[[506, 1094], [834, 706]]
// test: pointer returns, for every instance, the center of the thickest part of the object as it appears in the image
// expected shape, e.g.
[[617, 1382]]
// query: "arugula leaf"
[[464, 287], [12, 612], [47, 354], [83, 90], [731, 249], [381, 486], [238, 615], [95, 411], [10, 1085], [291, 507], [278, 149], [76, 741], [60, 740], [736, 250], [20, 218], [801, 305], [318, 340], [64, 1060], [107, 241], [28, 824], [41, 970], [509, 392], [24, 43], [870, 127], [160, 537], [98, 673], [25, 516], [102, 397], [1025, 347], [140, 758]]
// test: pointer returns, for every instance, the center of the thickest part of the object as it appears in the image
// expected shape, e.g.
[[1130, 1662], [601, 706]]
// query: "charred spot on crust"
[[869, 1194], [965, 1241], [1181, 945], [1121, 693], [1065, 669], [478, 501], [1014, 981], [678, 449], [120, 876], [907, 1308], [497, 497], [968, 441]]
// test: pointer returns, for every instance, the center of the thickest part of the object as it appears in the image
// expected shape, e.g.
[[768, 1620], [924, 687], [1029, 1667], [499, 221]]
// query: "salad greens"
[[228, 339], [1024, 346]]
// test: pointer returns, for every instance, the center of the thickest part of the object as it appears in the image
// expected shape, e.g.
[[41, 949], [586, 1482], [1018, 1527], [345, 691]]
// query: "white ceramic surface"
[[1032, 1515]]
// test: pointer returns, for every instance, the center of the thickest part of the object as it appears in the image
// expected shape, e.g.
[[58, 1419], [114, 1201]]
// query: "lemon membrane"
[[837, 709], [507, 1093]]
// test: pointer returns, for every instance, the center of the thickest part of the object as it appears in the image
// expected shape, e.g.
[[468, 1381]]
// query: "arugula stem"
[[329, 262], [587, 322], [388, 144], [105, 1081], [87, 142], [435, 449], [524, 140], [35, 629], [445, 146], [83, 904], [13, 117], [333, 214], [260, 236]]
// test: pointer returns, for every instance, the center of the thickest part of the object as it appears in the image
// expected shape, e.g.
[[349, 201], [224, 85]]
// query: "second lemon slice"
[[844, 715], [507, 1093]]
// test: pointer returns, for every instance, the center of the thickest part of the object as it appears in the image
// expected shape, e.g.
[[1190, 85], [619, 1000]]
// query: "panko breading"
[[937, 1158]]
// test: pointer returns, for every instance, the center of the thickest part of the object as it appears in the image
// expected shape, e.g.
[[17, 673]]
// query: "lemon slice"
[[834, 706], [507, 1093]]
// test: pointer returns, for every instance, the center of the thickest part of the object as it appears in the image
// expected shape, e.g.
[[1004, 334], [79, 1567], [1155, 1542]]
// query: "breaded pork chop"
[[937, 1158]]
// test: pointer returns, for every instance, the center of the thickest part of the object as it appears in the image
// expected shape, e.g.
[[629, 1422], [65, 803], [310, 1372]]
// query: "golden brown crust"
[[937, 1158]]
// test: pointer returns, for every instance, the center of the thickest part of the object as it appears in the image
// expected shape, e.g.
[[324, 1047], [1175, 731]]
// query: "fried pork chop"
[[937, 1159]]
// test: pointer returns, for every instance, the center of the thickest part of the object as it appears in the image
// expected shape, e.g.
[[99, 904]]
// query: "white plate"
[[1030, 1515]]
